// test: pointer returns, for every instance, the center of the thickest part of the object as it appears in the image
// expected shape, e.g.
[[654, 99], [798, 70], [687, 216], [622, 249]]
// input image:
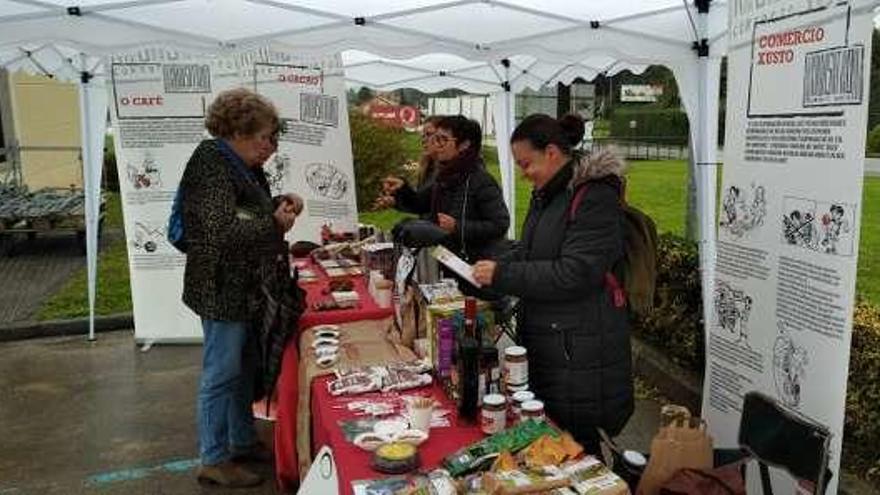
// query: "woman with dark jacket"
[[464, 199], [234, 233], [576, 335]]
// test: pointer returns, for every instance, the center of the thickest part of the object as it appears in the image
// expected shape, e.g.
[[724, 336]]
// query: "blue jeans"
[[225, 416]]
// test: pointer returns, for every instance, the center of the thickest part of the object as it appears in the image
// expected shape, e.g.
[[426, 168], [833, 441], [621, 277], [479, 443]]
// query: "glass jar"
[[532, 409], [518, 398], [494, 414], [516, 367]]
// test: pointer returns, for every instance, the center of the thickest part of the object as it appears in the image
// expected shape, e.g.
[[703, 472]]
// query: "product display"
[[395, 458], [517, 400], [487, 391], [532, 410], [397, 376], [493, 417], [516, 368], [482, 453]]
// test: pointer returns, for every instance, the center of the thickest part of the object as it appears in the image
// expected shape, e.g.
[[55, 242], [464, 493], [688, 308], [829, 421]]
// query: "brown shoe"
[[228, 474], [258, 453]]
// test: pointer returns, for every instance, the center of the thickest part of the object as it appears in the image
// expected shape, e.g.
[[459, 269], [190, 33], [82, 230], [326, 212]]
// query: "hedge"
[[873, 145], [379, 151], [668, 125], [676, 326]]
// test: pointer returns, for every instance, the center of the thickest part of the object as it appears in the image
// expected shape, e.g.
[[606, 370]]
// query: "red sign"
[[396, 115]]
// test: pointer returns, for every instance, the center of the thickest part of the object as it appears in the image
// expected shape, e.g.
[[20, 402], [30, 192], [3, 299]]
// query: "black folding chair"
[[774, 435]]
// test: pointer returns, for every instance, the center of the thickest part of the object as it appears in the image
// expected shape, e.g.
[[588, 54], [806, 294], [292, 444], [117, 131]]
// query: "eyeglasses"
[[441, 139], [426, 136]]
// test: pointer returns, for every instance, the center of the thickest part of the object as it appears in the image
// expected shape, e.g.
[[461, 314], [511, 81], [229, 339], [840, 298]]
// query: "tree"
[[874, 98], [364, 95]]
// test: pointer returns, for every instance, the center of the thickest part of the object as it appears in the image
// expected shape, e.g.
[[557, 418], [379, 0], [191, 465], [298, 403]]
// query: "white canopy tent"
[[522, 43]]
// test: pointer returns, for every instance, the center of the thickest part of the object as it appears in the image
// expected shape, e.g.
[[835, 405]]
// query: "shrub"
[[874, 140], [862, 424], [676, 326], [666, 125], [111, 177], [378, 152]]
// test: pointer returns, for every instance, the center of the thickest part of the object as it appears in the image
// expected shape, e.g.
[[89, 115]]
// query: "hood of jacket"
[[598, 165]]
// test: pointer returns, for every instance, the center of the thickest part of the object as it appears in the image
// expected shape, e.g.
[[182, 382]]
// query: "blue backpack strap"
[[175, 233]]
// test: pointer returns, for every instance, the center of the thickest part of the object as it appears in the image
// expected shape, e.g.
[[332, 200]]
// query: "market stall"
[[423, 376], [289, 381]]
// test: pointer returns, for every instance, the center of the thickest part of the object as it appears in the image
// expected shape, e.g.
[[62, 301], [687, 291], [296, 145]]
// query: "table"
[[287, 388], [352, 463]]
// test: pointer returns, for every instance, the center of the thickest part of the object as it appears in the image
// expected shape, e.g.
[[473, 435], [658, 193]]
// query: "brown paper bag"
[[679, 445]]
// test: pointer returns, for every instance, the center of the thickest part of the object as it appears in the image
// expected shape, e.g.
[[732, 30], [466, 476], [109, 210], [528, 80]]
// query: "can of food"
[[493, 418]]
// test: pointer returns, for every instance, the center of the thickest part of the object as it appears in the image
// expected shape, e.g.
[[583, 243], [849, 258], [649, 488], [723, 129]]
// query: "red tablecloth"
[[286, 466], [352, 463]]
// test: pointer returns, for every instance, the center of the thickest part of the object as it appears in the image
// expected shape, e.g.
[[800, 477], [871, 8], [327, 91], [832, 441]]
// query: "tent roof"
[[635, 31], [437, 72]]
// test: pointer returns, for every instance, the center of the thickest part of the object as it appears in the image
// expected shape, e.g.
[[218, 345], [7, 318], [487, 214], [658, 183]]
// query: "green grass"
[[113, 293], [658, 188], [868, 281]]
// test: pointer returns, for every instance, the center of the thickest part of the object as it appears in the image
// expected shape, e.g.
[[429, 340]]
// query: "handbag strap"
[[707, 475]]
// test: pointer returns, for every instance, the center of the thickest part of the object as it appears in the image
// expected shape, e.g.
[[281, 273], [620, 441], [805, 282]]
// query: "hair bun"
[[573, 128]]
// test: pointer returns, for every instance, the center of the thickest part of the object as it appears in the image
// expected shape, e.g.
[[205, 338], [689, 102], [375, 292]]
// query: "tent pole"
[[93, 115], [706, 145], [504, 107]]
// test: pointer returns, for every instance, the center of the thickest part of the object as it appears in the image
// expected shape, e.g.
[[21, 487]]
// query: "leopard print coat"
[[231, 236]]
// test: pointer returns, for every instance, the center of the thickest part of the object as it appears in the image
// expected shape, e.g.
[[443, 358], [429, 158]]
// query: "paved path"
[[106, 418], [32, 270]]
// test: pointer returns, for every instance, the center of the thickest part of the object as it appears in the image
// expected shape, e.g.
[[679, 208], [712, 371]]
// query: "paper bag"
[[683, 444]]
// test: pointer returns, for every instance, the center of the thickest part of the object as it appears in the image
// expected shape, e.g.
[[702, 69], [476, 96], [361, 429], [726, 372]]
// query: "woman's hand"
[[484, 272], [446, 222], [284, 217], [294, 203], [384, 202], [391, 184]]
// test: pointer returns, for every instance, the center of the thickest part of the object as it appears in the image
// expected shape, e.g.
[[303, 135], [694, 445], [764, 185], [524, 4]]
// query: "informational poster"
[[788, 231], [159, 98]]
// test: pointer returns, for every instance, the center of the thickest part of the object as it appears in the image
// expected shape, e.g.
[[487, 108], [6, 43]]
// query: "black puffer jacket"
[[577, 341], [473, 198]]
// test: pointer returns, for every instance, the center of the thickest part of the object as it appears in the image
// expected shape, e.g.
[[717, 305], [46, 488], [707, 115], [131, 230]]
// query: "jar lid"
[[523, 396], [515, 351], [634, 458], [493, 400], [533, 406]]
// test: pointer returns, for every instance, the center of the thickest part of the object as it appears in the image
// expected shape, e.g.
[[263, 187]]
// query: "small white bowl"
[[321, 328], [325, 342], [326, 351], [411, 436], [370, 441], [390, 428], [327, 334], [327, 361]]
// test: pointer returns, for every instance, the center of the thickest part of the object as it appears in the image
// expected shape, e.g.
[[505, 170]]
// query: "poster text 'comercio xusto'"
[[776, 48]]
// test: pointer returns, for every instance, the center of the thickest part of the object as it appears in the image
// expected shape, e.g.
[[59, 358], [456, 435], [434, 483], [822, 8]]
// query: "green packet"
[[481, 454]]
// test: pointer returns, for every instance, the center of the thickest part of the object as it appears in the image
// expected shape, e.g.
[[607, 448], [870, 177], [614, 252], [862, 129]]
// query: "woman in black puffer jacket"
[[464, 200], [575, 330]]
